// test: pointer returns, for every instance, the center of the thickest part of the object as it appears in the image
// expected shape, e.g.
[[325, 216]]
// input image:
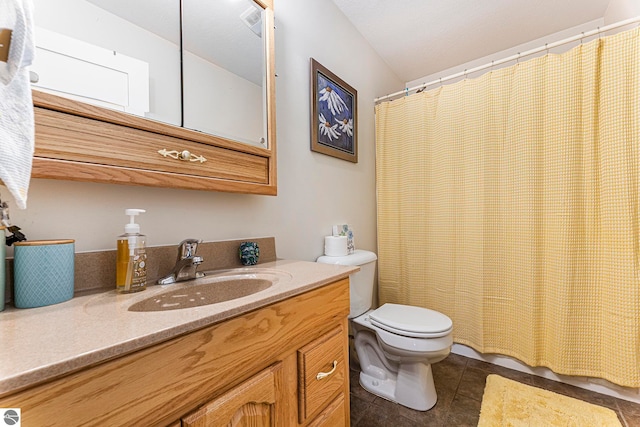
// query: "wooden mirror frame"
[[82, 142]]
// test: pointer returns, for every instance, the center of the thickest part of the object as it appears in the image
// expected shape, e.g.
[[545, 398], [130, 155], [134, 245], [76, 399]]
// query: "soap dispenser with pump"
[[131, 266]]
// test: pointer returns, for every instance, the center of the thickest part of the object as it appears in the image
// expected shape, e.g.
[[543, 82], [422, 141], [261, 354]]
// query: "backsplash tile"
[[96, 271]]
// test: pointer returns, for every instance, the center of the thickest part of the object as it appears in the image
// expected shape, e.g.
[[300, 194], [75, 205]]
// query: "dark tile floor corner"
[[460, 385]]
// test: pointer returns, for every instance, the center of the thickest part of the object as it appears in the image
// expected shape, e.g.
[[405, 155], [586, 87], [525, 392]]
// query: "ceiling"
[[418, 38]]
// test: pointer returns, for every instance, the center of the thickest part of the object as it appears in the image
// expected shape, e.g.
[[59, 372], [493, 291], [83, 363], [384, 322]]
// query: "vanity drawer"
[[322, 372], [98, 143]]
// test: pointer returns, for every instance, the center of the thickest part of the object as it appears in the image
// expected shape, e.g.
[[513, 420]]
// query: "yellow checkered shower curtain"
[[510, 203]]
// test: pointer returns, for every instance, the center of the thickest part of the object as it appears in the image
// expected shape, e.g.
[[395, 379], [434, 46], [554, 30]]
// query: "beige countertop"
[[40, 344]]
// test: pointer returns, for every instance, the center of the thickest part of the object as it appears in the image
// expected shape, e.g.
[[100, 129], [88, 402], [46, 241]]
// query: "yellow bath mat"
[[508, 403]]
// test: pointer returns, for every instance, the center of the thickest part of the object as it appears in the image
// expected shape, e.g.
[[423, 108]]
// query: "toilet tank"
[[361, 284]]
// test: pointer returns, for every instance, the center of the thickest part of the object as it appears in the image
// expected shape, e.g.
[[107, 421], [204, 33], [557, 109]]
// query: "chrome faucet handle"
[[188, 248], [186, 264]]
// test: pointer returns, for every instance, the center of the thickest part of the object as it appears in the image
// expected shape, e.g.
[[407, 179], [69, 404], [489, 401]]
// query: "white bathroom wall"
[[314, 191], [619, 10]]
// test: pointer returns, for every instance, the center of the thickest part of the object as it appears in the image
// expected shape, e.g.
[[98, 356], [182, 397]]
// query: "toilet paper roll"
[[335, 245]]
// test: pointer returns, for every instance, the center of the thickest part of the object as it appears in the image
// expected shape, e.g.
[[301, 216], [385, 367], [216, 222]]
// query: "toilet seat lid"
[[411, 321]]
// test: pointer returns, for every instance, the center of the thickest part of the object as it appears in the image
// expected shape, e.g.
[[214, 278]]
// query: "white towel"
[[16, 106]]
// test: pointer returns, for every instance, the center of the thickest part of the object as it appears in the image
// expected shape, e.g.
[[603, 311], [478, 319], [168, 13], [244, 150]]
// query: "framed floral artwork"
[[333, 115]]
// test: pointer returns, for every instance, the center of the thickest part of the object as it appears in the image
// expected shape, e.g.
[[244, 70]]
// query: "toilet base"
[[383, 388], [412, 386]]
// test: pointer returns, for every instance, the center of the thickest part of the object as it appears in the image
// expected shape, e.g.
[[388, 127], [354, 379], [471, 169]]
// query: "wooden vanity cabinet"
[[259, 369], [258, 402]]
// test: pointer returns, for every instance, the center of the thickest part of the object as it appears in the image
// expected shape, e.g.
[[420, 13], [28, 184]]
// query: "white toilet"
[[396, 344]]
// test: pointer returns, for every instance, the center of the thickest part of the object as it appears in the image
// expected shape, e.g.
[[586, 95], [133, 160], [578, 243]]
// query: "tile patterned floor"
[[460, 383]]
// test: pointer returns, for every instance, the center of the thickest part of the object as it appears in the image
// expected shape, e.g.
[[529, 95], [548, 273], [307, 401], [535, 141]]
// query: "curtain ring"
[[518, 59], [546, 46]]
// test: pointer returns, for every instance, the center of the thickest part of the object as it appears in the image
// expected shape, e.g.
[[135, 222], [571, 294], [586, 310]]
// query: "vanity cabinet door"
[[253, 403]]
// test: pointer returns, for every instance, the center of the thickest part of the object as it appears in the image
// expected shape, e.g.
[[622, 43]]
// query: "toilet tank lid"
[[358, 257]]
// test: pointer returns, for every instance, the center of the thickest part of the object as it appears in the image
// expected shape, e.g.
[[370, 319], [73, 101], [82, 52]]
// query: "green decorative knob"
[[249, 253]]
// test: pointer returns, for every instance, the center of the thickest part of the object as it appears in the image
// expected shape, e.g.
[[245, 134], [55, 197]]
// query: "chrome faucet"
[[186, 264]]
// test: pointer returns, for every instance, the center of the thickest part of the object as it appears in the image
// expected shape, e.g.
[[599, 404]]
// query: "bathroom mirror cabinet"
[[195, 119]]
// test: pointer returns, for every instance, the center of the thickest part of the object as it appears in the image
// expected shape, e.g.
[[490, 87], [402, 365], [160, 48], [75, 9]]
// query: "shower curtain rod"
[[514, 57]]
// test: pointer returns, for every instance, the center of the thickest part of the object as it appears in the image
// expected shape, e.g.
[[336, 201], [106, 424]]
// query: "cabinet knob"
[[322, 375]]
